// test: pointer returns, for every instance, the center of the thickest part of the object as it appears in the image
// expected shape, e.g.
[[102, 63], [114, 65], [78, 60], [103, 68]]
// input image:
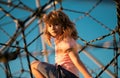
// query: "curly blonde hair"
[[59, 17]]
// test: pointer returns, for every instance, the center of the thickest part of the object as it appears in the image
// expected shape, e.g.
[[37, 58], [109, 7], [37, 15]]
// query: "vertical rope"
[[21, 24], [115, 54], [118, 15], [118, 30]]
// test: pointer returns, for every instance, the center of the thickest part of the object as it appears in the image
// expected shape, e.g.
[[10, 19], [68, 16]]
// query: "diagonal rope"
[[97, 39]]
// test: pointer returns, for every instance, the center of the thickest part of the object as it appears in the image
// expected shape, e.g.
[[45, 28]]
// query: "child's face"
[[55, 30]]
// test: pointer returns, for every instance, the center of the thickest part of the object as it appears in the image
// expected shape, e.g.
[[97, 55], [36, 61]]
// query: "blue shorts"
[[54, 71]]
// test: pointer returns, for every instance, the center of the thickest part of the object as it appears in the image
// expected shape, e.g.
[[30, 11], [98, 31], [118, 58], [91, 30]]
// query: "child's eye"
[[50, 25]]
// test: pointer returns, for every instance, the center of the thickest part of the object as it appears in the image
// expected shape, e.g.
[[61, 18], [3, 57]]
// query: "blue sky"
[[88, 26]]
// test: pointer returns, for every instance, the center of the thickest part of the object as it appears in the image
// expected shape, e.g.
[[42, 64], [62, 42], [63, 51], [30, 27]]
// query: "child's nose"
[[53, 27]]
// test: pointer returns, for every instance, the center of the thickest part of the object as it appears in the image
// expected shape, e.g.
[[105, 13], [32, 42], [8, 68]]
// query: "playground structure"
[[15, 31]]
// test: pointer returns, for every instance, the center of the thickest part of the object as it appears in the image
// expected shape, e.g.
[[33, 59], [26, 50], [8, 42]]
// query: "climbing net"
[[21, 35]]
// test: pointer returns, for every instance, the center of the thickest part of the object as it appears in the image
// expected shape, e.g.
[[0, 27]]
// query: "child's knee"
[[34, 64]]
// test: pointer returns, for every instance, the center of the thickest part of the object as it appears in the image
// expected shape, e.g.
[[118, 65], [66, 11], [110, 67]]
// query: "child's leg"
[[35, 72], [43, 70]]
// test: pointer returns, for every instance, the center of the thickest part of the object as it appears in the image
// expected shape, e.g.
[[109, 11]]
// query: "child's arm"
[[78, 63]]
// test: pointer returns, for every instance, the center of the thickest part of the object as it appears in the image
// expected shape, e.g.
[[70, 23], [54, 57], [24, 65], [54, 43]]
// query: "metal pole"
[[41, 30]]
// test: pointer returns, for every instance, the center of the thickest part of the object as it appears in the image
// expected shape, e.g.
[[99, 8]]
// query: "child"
[[67, 61]]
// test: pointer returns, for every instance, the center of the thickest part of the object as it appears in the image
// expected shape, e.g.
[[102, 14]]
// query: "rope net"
[[97, 22]]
